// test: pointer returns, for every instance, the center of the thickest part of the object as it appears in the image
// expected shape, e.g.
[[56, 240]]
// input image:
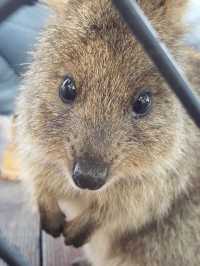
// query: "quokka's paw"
[[52, 224], [75, 236], [81, 262]]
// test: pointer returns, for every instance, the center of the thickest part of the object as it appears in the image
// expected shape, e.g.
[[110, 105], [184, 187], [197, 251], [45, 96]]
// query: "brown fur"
[[148, 213]]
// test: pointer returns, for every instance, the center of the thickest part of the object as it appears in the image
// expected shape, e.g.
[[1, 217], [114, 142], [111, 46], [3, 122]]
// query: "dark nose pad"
[[90, 174]]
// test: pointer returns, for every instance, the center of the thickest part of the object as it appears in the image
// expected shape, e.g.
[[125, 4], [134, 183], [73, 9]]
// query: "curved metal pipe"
[[149, 39]]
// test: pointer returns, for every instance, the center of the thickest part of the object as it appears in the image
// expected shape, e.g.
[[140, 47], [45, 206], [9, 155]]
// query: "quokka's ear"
[[176, 7], [163, 10], [56, 5], [170, 5]]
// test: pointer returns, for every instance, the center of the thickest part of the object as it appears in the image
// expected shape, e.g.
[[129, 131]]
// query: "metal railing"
[[160, 56], [158, 53]]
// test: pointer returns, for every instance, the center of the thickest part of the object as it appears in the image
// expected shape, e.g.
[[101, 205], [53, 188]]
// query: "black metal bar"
[[8, 7], [10, 255], [161, 57]]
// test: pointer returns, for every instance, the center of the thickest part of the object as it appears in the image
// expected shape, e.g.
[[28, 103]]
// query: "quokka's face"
[[104, 112]]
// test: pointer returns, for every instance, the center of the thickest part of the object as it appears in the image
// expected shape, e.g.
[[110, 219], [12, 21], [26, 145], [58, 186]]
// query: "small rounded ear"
[[176, 9], [168, 2], [173, 8], [56, 5], [165, 3], [175, 4]]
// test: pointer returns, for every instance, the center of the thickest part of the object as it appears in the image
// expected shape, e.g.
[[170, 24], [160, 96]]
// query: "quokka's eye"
[[142, 103], [67, 90]]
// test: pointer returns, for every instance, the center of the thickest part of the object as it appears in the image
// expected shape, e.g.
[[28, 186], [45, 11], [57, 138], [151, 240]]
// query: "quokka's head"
[[94, 103]]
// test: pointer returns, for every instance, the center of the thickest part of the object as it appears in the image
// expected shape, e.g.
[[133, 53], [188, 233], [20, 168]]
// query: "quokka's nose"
[[90, 174]]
